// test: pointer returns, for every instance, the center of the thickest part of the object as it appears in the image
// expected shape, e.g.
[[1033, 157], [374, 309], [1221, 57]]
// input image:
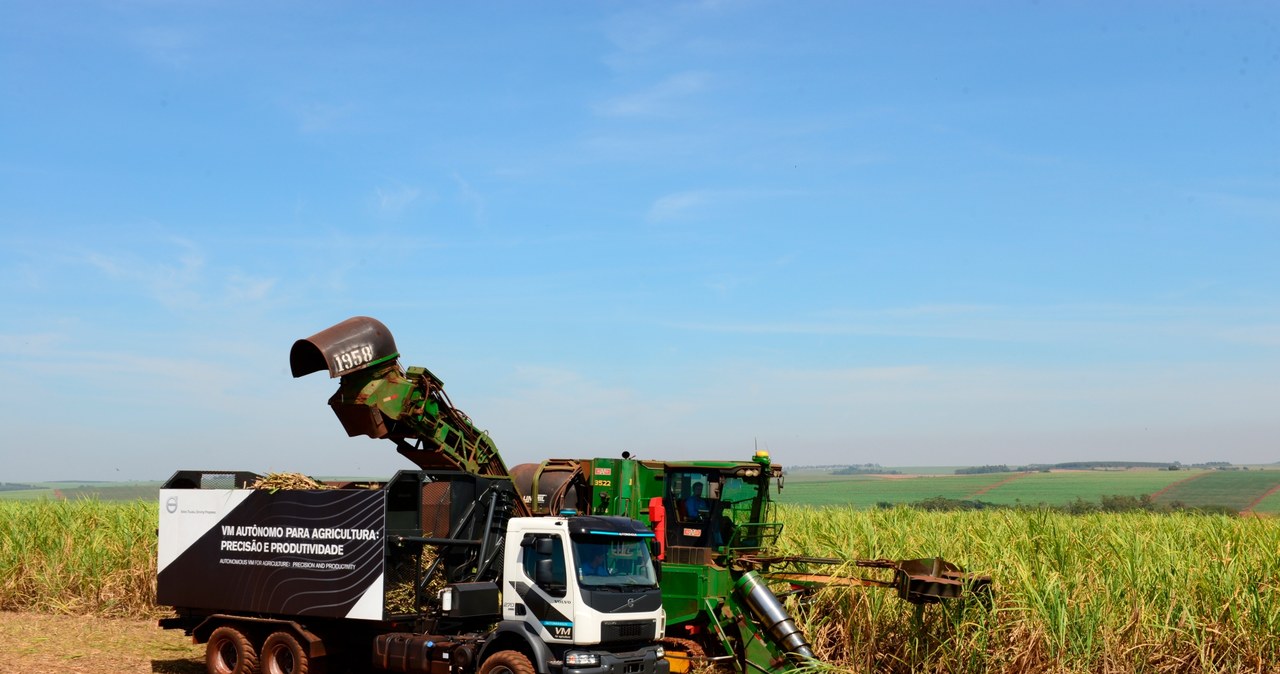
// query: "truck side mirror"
[[542, 572], [544, 547]]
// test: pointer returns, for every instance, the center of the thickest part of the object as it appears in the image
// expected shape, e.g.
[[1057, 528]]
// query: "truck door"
[[542, 588]]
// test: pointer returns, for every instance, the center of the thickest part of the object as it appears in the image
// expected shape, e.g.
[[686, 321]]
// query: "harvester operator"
[[696, 507]]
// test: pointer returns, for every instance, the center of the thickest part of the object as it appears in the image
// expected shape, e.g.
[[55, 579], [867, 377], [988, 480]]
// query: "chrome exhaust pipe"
[[766, 607]]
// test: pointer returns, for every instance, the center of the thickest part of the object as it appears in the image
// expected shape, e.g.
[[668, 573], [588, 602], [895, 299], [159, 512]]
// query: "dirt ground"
[[37, 643]]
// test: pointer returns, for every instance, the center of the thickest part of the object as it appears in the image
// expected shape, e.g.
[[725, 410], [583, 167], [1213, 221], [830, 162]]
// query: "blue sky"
[[901, 233]]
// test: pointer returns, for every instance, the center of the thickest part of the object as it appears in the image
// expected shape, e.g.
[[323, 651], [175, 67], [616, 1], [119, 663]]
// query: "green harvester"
[[716, 538]]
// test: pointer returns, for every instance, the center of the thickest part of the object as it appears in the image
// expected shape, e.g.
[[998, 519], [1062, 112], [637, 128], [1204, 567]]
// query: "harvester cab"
[[701, 511], [710, 512]]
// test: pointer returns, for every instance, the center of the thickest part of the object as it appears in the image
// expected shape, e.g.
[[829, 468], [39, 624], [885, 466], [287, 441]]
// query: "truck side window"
[[544, 564]]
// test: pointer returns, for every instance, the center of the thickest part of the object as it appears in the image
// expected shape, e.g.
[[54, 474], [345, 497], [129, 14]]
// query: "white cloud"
[[166, 45], [1073, 324], [172, 283], [689, 203], [242, 288], [677, 205], [473, 198], [1259, 335], [392, 201], [33, 344], [663, 99], [1265, 208], [184, 280], [321, 117], [642, 35], [859, 375]]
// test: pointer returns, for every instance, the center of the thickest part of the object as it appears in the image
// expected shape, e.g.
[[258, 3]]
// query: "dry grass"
[[42, 643], [276, 481]]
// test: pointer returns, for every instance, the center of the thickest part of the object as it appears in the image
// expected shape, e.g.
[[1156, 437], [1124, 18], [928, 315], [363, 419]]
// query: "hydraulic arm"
[[378, 398]]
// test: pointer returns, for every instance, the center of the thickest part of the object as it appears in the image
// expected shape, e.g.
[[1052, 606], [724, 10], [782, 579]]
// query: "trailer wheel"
[[282, 654], [229, 651], [507, 662]]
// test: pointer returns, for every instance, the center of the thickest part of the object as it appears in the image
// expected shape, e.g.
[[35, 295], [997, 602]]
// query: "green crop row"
[[1136, 592], [78, 557]]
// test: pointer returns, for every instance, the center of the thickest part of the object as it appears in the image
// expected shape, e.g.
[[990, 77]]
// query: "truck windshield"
[[608, 561]]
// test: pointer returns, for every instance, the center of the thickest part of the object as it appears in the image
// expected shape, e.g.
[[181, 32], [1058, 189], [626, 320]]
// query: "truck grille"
[[628, 630]]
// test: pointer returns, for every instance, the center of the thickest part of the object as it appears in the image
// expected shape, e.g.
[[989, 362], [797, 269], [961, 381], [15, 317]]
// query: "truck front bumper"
[[643, 661]]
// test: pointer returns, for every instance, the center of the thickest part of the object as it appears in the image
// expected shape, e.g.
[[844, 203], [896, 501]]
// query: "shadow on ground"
[[177, 667]]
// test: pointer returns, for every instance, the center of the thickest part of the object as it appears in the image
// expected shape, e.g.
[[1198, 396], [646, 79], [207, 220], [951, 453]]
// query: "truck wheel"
[[282, 654], [507, 662], [229, 651]]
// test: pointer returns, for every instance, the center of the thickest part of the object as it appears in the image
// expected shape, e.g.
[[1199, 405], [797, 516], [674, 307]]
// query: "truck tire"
[[282, 654], [507, 662], [229, 651]]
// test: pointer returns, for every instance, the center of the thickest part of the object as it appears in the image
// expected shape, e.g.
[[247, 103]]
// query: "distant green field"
[[1269, 506], [1059, 488], [865, 491], [101, 491], [1234, 489], [905, 470]]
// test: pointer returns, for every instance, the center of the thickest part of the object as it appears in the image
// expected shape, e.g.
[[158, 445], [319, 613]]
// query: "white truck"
[[427, 572]]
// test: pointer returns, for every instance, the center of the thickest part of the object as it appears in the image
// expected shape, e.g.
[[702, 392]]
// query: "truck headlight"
[[661, 653], [576, 659]]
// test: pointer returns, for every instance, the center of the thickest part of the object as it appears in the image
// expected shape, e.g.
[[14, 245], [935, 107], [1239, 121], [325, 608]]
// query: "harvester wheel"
[[229, 651], [507, 662], [282, 654]]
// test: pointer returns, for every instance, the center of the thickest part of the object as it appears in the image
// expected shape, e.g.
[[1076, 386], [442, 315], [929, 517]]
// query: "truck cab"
[[582, 582]]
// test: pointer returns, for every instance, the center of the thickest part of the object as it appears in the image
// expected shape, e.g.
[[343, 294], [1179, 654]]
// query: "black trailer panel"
[[291, 552]]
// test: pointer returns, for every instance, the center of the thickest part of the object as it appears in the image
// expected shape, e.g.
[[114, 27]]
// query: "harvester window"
[[692, 495]]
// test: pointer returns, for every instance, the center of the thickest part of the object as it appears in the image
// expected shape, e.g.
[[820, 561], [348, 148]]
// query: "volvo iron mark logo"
[[171, 505], [630, 603]]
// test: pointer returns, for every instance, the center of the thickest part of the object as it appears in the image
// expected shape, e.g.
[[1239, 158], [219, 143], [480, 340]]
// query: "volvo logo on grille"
[[630, 603]]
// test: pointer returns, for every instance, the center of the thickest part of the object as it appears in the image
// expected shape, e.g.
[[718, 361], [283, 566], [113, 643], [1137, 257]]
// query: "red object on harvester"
[[658, 516]]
